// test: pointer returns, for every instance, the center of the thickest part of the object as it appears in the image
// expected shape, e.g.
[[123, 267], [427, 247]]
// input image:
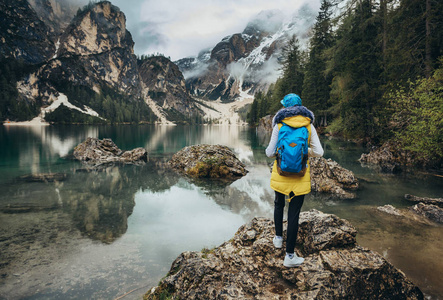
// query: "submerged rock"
[[97, 152], [249, 267], [390, 210], [420, 213], [425, 200], [327, 176], [208, 161], [429, 211], [44, 177]]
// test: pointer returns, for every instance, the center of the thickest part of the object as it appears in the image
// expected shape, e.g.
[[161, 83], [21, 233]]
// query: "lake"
[[112, 232]]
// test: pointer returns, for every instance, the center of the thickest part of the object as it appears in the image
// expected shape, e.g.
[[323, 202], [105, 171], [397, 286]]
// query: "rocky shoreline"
[[389, 158], [249, 267]]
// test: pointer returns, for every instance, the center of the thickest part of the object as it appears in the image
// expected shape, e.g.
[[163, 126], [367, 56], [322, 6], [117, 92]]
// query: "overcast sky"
[[181, 28]]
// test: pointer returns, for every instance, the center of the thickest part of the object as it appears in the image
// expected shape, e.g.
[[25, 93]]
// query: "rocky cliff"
[[23, 35], [249, 267], [92, 63], [164, 85], [57, 14], [95, 53]]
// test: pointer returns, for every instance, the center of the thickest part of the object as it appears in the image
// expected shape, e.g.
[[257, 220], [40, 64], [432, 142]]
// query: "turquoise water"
[[103, 234]]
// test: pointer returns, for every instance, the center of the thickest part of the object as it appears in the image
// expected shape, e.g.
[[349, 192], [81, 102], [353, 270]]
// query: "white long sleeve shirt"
[[315, 149]]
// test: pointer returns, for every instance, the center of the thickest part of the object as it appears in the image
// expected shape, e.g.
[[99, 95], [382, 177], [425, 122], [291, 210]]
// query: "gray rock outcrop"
[[327, 176], [163, 83], [23, 35], [249, 267], [208, 161], [97, 152]]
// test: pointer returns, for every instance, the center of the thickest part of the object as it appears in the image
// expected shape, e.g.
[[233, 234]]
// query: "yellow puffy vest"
[[299, 185]]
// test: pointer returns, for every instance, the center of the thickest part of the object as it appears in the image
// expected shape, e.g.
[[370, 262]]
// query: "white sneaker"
[[295, 261], [278, 241]]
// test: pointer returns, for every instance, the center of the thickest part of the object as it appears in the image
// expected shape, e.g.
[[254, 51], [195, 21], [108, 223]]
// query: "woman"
[[295, 187]]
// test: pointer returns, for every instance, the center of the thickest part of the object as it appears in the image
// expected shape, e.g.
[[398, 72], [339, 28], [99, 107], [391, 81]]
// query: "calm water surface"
[[102, 234]]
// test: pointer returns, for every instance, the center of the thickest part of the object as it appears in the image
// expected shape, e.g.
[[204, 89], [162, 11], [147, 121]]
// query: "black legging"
[[293, 215]]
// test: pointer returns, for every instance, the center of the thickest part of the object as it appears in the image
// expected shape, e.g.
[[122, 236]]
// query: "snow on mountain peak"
[[248, 61]]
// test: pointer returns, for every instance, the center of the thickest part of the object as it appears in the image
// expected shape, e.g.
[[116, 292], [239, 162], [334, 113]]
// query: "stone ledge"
[[249, 267]]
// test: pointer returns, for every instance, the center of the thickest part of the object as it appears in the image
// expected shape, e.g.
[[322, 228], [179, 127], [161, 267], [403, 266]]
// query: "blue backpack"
[[292, 150]]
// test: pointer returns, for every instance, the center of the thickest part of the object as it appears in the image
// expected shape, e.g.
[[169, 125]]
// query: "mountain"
[[86, 71], [57, 14], [23, 35], [249, 61], [163, 84]]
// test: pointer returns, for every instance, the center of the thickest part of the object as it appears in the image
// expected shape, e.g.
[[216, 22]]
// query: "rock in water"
[[265, 124], [429, 211], [328, 176], [425, 200], [44, 177], [208, 161], [390, 210], [249, 267], [97, 152]]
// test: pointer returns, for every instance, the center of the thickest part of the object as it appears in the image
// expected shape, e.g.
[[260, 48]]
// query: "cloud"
[[181, 28]]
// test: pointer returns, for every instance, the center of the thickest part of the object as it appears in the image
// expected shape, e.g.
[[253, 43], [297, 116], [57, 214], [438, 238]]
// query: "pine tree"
[[356, 67], [416, 39], [293, 73], [317, 81]]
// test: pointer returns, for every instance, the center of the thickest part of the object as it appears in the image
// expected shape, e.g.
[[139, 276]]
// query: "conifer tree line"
[[364, 58]]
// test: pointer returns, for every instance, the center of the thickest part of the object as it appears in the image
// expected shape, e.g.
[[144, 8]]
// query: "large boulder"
[[208, 161], [98, 152], [327, 176], [249, 267]]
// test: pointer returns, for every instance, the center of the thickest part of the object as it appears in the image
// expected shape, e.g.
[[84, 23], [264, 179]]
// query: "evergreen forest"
[[373, 72]]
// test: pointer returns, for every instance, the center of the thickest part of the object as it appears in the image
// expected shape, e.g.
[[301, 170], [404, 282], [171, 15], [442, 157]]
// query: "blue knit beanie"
[[291, 100]]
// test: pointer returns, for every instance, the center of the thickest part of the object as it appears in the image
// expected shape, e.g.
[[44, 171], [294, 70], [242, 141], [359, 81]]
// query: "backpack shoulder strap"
[[308, 127]]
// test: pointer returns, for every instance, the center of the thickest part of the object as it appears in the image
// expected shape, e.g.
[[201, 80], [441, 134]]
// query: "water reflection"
[[38, 149], [99, 203], [100, 234]]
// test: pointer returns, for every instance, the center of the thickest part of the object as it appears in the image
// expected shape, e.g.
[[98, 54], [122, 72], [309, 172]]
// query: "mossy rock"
[[208, 161]]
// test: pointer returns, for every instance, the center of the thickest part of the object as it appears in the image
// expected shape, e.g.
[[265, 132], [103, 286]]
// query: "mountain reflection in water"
[[101, 233]]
